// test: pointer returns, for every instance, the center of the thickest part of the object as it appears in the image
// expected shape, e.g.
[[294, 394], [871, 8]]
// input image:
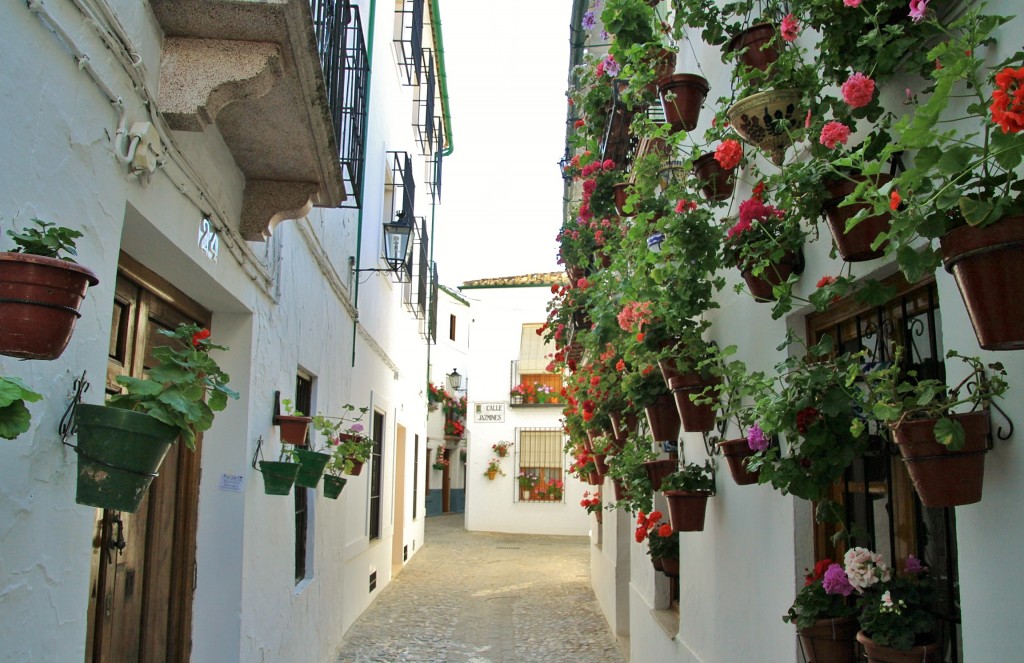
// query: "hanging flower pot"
[[619, 490], [663, 418], [600, 461], [717, 183], [877, 653], [658, 563], [855, 244], [686, 509], [623, 425], [682, 96], [119, 453], [942, 477], [333, 486], [491, 474], [670, 566], [761, 42], [619, 195], [595, 478], [278, 477], [39, 302], [830, 641], [658, 470], [311, 467], [736, 453], [986, 263], [357, 467], [767, 120], [761, 286], [694, 417], [293, 428]]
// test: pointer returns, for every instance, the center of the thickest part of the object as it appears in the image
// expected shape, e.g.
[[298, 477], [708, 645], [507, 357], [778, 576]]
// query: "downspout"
[[577, 40], [359, 222]]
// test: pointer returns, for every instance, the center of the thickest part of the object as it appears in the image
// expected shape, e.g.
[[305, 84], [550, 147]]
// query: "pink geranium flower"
[[834, 133], [851, 3], [789, 28], [858, 90], [917, 9]]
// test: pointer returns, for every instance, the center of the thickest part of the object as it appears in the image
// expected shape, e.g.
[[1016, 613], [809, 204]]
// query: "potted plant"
[[962, 186], [824, 615], [41, 290], [687, 491], [493, 468], [629, 474], [441, 461], [895, 611], [15, 418], [121, 445], [662, 542], [736, 388], [294, 425], [765, 243], [435, 397], [552, 491], [526, 480], [811, 406], [591, 502], [501, 448], [943, 449]]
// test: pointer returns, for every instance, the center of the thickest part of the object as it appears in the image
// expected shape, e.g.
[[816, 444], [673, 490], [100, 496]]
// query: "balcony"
[[256, 70], [531, 386]]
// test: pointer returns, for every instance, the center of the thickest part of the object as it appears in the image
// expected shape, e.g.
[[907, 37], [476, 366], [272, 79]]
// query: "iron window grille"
[[408, 41], [432, 316], [376, 474], [417, 287], [342, 48], [539, 465], [876, 495], [303, 403], [425, 99]]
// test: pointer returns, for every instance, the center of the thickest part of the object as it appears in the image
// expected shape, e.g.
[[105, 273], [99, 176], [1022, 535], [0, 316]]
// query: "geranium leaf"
[[950, 433], [15, 419]]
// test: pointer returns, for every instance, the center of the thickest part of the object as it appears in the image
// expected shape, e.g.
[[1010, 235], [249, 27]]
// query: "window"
[[376, 474], [530, 381], [303, 403], [451, 327], [876, 496], [539, 465]]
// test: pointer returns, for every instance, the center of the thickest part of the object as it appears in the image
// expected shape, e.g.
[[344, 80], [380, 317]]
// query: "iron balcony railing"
[[342, 48], [409, 40]]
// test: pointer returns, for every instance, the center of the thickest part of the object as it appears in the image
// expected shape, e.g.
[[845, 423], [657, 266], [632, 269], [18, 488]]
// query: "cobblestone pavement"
[[486, 598]]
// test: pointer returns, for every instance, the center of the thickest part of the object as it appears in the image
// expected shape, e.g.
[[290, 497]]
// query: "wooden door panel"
[[141, 602]]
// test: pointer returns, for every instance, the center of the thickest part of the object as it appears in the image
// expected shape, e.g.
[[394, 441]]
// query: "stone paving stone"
[[473, 597]]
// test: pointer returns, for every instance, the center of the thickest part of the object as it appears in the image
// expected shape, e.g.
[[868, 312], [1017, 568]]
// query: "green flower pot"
[[278, 477], [119, 453], [333, 486], [311, 467]]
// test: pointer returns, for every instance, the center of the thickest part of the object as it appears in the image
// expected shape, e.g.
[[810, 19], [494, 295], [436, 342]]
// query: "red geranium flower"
[[1008, 100], [199, 336]]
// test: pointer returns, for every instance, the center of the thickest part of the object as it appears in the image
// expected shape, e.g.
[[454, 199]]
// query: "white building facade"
[[196, 146]]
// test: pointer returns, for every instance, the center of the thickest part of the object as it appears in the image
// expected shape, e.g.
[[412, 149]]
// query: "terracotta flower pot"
[[658, 470], [623, 425], [663, 419], [855, 244], [686, 509], [39, 302], [357, 467], [761, 287], [670, 566], [491, 474], [736, 453], [694, 417], [986, 263], [619, 195], [682, 96], [761, 43], [620, 491], [830, 641], [293, 429], [877, 653], [595, 478], [768, 119], [717, 183], [942, 477], [600, 462], [657, 563]]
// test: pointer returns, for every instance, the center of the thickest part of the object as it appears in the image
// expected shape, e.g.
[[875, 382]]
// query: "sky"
[[501, 204]]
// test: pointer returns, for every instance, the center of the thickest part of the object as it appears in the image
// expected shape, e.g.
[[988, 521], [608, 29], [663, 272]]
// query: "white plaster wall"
[[498, 317], [57, 164], [747, 564]]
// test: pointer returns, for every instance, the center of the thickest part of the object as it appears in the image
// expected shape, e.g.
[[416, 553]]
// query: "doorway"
[[143, 564], [398, 553]]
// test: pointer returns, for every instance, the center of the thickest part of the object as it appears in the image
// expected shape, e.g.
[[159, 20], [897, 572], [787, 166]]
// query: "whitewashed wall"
[[272, 304], [740, 575], [498, 316]]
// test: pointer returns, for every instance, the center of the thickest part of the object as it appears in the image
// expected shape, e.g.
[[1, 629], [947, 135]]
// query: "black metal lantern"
[[396, 241]]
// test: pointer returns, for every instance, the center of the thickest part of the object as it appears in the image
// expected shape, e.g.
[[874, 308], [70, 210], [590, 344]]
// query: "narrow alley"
[[486, 598]]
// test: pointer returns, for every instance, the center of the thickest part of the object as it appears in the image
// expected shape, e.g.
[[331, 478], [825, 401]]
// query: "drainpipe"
[[442, 76], [359, 223]]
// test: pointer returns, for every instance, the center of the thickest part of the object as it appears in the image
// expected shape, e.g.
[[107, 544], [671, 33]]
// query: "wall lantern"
[[396, 241], [455, 380]]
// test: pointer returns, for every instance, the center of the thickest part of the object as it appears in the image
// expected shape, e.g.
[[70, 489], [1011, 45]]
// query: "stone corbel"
[[199, 77], [266, 203]]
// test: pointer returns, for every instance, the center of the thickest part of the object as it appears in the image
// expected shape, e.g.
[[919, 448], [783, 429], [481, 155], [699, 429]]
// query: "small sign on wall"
[[489, 413]]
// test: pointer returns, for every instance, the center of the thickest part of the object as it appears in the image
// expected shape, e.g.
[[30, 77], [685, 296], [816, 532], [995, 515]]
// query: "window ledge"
[[668, 620]]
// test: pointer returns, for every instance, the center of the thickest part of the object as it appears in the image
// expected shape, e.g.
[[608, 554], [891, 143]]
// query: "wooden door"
[[143, 564]]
